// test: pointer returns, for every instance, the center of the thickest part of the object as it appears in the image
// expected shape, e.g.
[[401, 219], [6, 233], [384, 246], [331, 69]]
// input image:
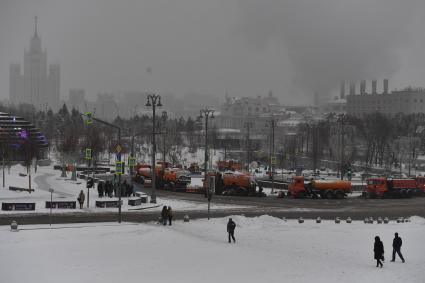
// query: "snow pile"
[[267, 249]]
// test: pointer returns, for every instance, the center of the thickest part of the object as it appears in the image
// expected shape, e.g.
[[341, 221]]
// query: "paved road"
[[356, 208]]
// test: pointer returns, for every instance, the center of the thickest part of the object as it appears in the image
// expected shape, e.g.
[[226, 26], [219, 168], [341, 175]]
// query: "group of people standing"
[[166, 214], [108, 189], [378, 250]]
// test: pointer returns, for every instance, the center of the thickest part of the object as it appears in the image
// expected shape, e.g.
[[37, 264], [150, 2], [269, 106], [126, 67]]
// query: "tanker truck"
[[328, 189], [166, 178], [234, 183]]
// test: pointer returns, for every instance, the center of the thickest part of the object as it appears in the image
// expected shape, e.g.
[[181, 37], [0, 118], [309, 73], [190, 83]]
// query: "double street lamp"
[[206, 113], [153, 100]]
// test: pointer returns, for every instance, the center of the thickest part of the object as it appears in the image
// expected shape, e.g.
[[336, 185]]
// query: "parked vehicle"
[[234, 183]]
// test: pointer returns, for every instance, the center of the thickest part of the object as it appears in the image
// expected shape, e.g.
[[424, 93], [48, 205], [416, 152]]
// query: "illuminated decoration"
[[23, 134]]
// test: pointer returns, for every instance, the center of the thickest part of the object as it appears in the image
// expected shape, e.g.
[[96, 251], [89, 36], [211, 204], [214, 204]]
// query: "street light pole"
[[153, 100], [272, 158], [248, 126], [206, 113]]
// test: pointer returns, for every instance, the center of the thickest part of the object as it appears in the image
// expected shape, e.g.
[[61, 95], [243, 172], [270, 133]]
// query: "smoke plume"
[[332, 40]]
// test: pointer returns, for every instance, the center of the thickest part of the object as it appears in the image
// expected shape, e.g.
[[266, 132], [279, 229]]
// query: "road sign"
[[119, 167], [131, 161], [89, 118], [88, 153], [118, 148], [273, 160]]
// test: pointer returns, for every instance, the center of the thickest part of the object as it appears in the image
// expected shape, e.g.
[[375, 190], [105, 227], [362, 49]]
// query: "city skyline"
[[220, 46]]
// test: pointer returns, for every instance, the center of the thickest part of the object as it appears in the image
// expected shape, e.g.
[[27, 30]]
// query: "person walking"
[[81, 198], [397, 242], [231, 229], [170, 215], [378, 250], [164, 215]]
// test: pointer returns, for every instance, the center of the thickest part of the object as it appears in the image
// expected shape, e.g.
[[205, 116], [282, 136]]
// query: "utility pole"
[[272, 158], [118, 156], [248, 126], [153, 100], [206, 113], [341, 120]]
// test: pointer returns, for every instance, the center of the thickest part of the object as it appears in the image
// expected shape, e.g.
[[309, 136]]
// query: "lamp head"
[[159, 102], [148, 103]]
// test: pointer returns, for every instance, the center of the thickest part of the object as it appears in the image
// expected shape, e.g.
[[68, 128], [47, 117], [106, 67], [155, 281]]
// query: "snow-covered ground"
[[267, 249], [67, 190]]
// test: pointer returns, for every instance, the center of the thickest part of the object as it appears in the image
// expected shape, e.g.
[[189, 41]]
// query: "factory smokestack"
[[374, 87], [386, 86], [363, 87], [342, 90], [352, 88]]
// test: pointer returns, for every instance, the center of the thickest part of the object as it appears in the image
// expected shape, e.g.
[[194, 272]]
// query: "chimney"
[[374, 87], [342, 90], [386, 86], [363, 87], [352, 88]]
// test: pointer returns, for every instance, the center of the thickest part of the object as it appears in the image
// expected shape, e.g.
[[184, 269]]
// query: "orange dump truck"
[[234, 183], [167, 178], [298, 188], [387, 187]]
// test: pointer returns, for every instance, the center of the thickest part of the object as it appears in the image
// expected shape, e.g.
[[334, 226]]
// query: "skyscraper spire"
[[35, 27]]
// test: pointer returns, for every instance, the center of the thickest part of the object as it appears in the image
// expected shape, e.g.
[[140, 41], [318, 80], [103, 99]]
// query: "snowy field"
[[267, 249], [67, 190]]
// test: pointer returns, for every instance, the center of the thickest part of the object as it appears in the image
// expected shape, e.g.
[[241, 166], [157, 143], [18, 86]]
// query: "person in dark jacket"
[[396, 247], [231, 229], [81, 198], [170, 215], [378, 250], [164, 215]]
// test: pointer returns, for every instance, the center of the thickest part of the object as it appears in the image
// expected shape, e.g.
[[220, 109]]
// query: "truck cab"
[[376, 187], [296, 187]]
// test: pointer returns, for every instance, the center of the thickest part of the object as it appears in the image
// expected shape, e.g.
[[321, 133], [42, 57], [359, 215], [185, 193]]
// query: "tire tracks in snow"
[[43, 185]]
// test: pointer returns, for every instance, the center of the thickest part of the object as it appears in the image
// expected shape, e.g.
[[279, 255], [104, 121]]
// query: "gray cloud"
[[331, 40], [245, 47]]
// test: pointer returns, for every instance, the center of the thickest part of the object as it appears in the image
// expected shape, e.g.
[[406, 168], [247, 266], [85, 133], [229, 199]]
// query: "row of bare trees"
[[374, 139]]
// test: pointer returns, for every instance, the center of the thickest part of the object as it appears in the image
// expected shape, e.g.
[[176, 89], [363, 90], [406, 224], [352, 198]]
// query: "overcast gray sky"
[[244, 47]]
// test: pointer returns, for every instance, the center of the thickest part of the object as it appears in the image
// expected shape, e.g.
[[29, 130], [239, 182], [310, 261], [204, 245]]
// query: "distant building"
[[77, 100], [236, 112], [407, 101], [36, 85], [106, 106]]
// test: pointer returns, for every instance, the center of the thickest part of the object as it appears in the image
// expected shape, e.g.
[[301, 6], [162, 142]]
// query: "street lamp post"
[[272, 159], [248, 126], [153, 100], [341, 119], [206, 113]]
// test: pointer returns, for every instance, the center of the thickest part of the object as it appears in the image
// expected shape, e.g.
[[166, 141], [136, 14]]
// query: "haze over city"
[[245, 48]]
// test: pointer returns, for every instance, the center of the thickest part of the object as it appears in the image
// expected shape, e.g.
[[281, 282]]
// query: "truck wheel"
[[403, 193], [329, 195], [301, 194], [339, 195]]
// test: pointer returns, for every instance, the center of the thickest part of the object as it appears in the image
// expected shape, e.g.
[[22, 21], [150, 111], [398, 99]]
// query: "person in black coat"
[[164, 215], [378, 250], [231, 229], [396, 247]]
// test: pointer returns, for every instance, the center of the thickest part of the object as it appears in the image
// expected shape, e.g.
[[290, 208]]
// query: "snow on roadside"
[[67, 190], [267, 250]]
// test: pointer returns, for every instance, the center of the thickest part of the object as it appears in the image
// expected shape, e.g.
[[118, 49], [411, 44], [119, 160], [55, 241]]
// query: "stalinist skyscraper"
[[36, 85]]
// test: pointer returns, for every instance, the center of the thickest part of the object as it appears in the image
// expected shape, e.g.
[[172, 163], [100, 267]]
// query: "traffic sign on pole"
[[88, 154], [118, 148], [131, 161], [273, 160], [119, 167], [89, 118]]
